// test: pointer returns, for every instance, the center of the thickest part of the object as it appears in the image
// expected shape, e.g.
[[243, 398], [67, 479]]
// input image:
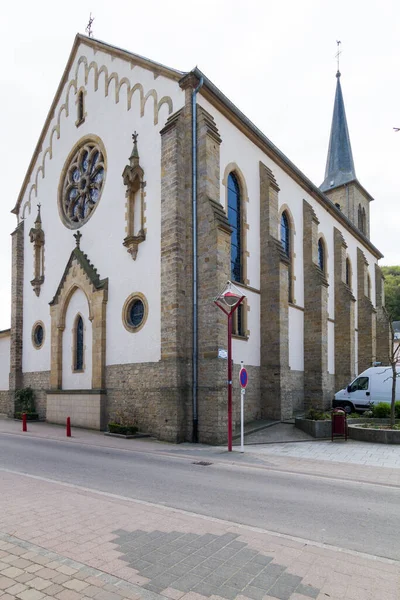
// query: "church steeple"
[[339, 165]]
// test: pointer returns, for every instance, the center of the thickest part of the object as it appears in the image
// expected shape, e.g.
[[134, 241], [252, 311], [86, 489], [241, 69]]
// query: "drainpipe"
[[194, 217]]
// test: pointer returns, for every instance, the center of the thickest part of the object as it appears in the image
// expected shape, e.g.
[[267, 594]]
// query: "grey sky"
[[274, 60]]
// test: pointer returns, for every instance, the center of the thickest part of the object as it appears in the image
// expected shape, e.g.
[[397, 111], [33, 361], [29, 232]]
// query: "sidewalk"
[[61, 541], [66, 542]]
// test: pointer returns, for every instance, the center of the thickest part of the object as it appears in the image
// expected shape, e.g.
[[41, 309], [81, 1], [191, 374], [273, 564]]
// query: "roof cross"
[[77, 237]]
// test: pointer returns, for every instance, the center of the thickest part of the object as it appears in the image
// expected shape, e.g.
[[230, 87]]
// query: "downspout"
[[194, 217]]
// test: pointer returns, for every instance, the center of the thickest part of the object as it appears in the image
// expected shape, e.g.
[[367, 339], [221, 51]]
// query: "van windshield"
[[361, 383]]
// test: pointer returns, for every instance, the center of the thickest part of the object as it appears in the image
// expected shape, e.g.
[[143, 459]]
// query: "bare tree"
[[393, 358]]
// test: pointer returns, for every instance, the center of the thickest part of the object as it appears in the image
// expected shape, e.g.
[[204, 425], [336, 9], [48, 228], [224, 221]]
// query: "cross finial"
[[337, 56], [77, 237], [89, 26], [134, 157]]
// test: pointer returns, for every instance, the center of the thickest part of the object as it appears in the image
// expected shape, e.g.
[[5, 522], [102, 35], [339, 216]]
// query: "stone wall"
[[344, 317], [316, 390], [40, 383], [366, 317], [383, 333], [4, 402]]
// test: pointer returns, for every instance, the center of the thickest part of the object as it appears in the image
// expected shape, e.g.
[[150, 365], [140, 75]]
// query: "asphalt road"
[[351, 515]]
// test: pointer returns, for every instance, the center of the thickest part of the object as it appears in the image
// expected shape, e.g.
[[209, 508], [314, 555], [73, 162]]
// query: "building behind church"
[[106, 302]]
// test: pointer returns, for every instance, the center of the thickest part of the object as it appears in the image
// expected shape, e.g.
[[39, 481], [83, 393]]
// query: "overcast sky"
[[274, 60]]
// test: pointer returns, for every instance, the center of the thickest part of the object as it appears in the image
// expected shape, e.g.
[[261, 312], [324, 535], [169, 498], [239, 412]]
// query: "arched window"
[[79, 344], [360, 218], [287, 248], [348, 272], [364, 221], [285, 234], [321, 255], [234, 218], [81, 107]]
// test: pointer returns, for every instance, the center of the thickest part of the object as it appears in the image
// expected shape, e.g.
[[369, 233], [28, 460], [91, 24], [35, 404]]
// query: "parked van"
[[371, 387]]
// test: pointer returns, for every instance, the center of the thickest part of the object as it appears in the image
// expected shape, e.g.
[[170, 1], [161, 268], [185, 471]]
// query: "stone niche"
[[87, 408]]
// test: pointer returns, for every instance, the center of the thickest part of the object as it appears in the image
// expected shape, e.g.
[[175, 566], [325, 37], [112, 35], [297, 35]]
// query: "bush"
[[381, 410], [316, 414], [122, 429], [25, 401]]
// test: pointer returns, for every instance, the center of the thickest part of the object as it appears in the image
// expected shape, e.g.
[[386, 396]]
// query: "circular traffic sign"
[[243, 377]]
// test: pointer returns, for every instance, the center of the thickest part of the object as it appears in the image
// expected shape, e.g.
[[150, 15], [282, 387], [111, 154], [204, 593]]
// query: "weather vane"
[[338, 53], [89, 26]]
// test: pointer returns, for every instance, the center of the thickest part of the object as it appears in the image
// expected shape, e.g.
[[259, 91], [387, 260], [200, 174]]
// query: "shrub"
[[122, 429], [25, 400], [381, 410], [316, 414]]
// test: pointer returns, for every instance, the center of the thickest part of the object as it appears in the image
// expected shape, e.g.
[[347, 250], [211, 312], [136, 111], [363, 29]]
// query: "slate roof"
[[339, 165]]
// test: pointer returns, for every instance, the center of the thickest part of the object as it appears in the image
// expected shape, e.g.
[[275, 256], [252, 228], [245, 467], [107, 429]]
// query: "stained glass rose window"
[[84, 176]]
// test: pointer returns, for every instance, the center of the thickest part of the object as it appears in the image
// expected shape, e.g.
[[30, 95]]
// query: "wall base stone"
[[86, 408]]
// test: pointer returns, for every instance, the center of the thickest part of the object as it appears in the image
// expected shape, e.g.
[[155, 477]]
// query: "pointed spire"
[[134, 157], [38, 221], [339, 165]]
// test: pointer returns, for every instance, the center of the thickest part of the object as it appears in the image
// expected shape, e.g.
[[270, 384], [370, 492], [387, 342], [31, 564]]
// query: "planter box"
[[127, 437], [377, 436], [321, 429]]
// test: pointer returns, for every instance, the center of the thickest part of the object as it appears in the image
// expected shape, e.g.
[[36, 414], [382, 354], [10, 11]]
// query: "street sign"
[[243, 377]]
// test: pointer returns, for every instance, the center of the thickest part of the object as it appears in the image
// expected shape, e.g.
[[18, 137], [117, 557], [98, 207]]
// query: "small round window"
[[38, 334], [135, 311]]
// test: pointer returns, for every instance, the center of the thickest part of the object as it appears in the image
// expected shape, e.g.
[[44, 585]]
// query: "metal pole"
[[230, 381], [242, 393]]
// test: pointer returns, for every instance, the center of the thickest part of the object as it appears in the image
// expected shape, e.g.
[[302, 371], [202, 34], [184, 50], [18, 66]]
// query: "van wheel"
[[348, 407]]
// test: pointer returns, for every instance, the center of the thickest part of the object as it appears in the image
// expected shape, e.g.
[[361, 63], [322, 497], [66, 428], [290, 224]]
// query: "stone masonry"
[[274, 304], [17, 287], [344, 317], [366, 313], [317, 391]]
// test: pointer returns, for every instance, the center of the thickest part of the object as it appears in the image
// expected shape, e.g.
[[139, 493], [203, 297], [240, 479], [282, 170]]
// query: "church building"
[[148, 190]]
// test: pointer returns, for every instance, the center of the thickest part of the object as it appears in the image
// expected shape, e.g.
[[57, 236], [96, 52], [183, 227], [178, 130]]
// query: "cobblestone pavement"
[[65, 542]]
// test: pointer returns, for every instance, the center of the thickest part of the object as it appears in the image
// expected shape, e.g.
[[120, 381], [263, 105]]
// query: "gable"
[[106, 81]]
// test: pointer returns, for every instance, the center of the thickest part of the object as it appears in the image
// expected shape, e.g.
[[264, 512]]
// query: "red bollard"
[[68, 426], [24, 427]]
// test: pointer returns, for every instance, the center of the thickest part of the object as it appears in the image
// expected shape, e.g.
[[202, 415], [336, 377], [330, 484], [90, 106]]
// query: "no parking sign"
[[243, 377]]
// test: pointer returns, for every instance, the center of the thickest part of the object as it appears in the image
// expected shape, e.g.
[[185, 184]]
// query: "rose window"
[[83, 184]]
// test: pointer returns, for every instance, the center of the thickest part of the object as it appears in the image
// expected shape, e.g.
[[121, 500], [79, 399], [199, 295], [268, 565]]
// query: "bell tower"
[[341, 184]]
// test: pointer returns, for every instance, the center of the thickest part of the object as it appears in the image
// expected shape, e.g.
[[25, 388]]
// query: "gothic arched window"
[[348, 272], [79, 344], [285, 234], [235, 221], [321, 254]]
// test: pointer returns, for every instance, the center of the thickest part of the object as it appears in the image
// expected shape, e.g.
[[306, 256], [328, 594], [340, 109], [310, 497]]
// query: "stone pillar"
[[17, 289], [366, 317], [274, 305], [214, 246], [344, 317], [383, 333], [316, 390]]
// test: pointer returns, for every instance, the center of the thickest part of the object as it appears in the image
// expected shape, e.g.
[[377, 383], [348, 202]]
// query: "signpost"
[[243, 378]]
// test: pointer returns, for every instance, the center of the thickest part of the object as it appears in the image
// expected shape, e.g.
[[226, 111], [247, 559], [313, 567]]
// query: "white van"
[[373, 386]]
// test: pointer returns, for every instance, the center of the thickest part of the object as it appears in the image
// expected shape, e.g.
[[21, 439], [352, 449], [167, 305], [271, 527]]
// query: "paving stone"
[[227, 592], [173, 559], [25, 577], [153, 571], [274, 569], [76, 584], [56, 589], [165, 580], [69, 595], [31, 595], [187, 583], [139, 565], [264, 581], [200, 570], [281, 591], [226, 553], [261, 559], [243, 556], [16, 589], [11, 572], [39, 584], [206, 589], [254, 593], [240, 580], [193, 560], [5, 582], [307, 590], [252, 568]]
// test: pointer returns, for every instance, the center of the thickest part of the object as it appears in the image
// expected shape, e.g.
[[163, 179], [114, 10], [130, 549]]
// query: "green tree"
[[392, 291]]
